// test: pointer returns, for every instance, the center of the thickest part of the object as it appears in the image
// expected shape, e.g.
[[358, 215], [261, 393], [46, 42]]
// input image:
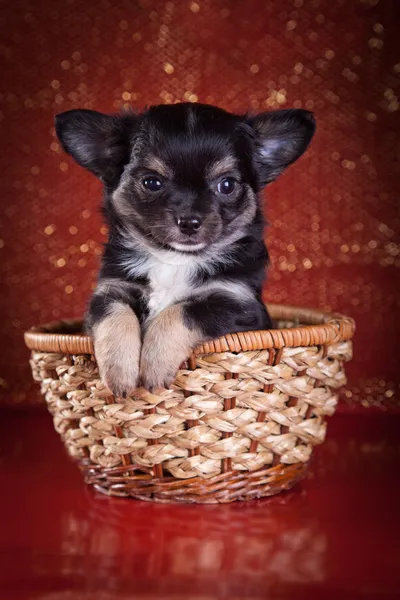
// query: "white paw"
[[167, 343], [117, 342]]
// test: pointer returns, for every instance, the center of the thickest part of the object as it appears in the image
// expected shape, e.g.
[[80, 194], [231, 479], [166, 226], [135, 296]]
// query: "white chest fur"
[[169, 283], [171, 278], [170, 275]]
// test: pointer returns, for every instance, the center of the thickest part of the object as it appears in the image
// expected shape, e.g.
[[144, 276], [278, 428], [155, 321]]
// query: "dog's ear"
[[281, 137], [98, 142]]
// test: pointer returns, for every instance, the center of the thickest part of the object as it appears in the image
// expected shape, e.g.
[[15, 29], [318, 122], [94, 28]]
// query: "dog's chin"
[[188, 246]]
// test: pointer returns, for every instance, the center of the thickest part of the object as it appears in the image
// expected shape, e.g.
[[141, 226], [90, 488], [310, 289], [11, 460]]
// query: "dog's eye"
[[153, 184], [226, 185]]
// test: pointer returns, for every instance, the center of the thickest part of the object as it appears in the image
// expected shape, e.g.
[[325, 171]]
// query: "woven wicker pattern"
[[236, 423]]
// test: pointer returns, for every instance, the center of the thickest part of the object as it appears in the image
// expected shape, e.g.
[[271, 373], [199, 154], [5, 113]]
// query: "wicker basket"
[[239, 422]]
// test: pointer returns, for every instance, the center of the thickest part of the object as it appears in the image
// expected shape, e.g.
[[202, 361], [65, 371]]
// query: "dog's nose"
[[189, 225]]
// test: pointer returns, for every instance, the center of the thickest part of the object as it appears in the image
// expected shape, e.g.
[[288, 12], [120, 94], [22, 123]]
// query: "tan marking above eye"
[[221, 167], [153, 163]]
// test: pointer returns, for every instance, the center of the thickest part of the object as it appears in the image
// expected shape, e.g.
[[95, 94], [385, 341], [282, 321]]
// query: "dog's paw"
[[167, 343], [121, 380], [117, 345], [153, 375]]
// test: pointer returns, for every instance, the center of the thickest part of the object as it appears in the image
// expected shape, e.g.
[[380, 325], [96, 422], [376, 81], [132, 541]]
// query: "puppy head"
[[185, 176]]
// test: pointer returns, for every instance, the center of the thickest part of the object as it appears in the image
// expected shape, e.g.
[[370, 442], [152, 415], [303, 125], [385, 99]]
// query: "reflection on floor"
[[333, 536]]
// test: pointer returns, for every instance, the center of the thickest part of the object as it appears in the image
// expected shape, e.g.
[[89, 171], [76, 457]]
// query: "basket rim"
[[319, 327]]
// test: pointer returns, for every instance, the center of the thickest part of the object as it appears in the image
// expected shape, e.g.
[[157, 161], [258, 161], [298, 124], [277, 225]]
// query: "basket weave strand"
[[239, 421]]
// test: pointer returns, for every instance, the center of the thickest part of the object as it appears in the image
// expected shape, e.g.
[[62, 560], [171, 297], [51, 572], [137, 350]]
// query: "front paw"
[[117, 348], [167, 343], [121, 379], [155, 373]]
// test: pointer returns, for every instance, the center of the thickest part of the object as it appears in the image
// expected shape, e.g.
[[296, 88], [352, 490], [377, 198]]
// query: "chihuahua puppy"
[[185, 260]]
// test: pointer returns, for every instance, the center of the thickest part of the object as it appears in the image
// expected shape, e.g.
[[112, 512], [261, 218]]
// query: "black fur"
[[131, 295], [219, 313]]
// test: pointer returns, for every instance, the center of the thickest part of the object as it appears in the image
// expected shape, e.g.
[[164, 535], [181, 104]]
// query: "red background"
[[334, 217]]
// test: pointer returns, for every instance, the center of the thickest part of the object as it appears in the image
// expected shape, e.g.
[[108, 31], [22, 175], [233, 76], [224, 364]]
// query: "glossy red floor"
[[334, 536]]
